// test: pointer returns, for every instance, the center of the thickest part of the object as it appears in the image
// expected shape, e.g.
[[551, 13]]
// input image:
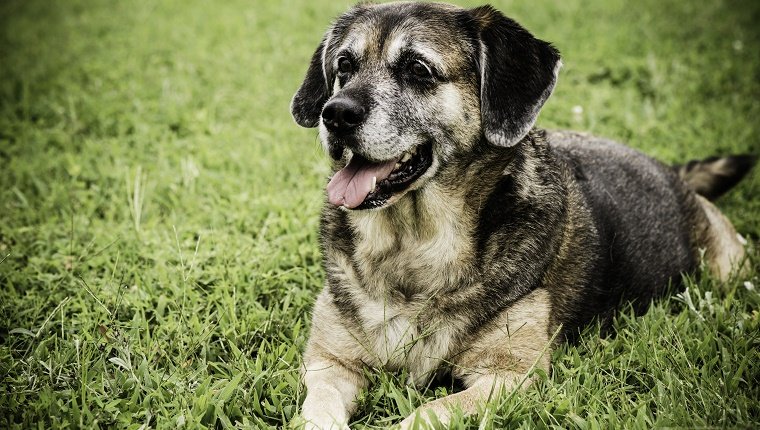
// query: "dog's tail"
[[713, 176]]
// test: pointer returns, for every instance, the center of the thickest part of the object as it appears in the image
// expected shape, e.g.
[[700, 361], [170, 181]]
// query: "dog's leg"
[[723, 250], [467, 401], [498, 360], [331, 391], [333, 377]]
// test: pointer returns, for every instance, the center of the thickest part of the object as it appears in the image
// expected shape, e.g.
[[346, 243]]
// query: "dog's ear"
[[307, 103], [517, 75]]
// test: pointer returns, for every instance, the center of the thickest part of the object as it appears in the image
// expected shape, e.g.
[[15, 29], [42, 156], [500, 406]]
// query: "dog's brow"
[[356, 44], [429, 54], [401, 45], [396, 46]]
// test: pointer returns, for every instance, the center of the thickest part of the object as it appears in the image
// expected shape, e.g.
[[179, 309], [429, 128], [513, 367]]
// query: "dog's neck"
[[432, 229], [450, 201], [415, 248]]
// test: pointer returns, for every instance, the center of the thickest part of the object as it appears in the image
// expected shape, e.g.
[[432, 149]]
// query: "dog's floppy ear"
[[517, 73], [307, 103]]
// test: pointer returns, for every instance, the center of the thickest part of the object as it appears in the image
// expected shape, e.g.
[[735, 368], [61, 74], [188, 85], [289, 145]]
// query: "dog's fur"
[[513, 239]]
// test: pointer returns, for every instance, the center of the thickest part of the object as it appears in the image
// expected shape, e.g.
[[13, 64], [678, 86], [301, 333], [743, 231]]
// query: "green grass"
[[158, 214]]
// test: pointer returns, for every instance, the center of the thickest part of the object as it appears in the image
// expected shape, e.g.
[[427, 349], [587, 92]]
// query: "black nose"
[[343, 114]]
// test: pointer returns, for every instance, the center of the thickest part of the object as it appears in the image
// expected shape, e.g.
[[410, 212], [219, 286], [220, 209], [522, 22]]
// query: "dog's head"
[[399, 89]]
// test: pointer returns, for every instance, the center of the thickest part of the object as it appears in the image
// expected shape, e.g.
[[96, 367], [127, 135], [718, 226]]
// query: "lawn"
[[159, 212]]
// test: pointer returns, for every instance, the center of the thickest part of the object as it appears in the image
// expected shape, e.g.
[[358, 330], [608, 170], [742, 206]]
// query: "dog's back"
[[651, 225]]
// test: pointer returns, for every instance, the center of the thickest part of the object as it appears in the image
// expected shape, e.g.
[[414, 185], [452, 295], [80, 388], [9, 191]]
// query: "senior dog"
[[457, 237]]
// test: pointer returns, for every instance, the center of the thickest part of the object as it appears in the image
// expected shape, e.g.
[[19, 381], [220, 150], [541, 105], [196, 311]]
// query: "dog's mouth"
[[364, 184]]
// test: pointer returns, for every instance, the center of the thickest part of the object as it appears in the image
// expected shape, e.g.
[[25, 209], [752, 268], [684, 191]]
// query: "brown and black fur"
[[517, 238]]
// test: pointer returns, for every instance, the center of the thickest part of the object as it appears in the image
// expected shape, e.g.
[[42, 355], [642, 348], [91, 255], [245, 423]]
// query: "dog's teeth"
[[397, 166], [405, 158], [374, 184]]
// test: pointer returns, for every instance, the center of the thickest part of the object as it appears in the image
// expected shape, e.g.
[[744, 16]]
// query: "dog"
[[456, 236]]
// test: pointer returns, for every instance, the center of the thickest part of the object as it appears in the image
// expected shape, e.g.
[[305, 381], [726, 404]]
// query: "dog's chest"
[[399, 336], [418, 257], [403, 269]]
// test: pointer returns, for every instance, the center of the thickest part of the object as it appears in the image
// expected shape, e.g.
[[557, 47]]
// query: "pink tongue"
[[350, 185]]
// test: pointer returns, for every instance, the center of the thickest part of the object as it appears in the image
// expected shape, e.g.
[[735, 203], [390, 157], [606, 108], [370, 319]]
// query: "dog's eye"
[[419, 69], [345, 66]]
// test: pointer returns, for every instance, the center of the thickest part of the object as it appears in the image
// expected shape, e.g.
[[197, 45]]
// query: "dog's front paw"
[[325, 426], [423, 419], [321, 421]]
